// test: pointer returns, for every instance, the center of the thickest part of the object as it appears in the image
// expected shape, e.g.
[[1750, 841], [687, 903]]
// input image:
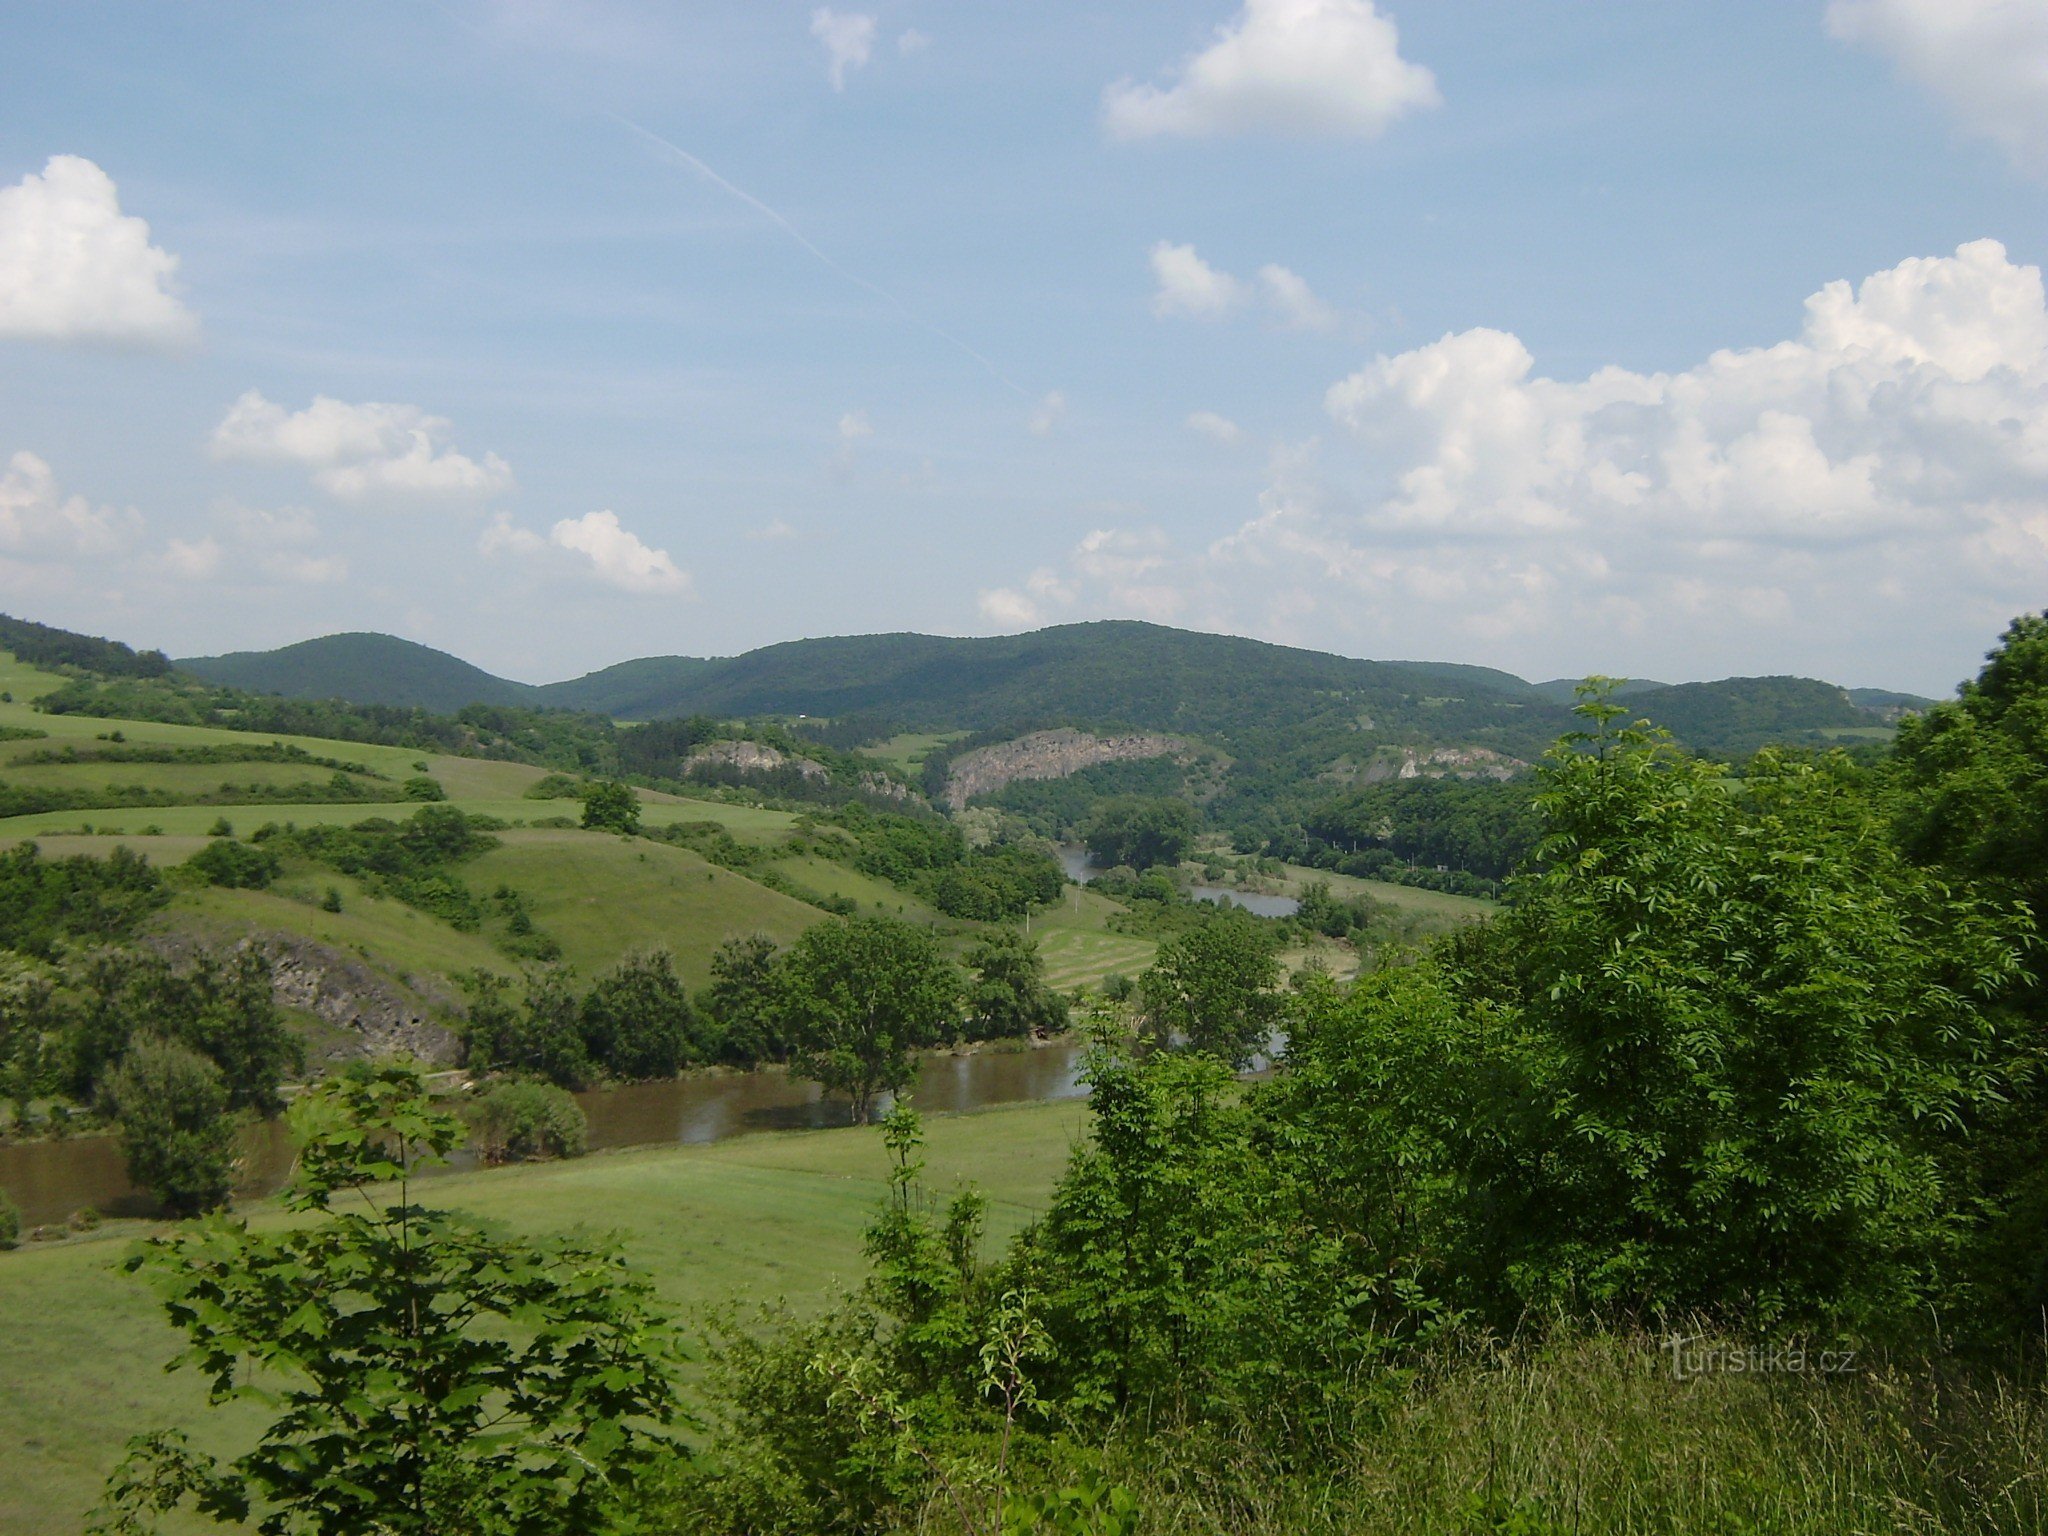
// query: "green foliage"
[[556, 786], [1217, 987], [422, 1377], [526, 1119], [10, 1223], [742, 1001], [1478, 825], [412, 860], [638, 1022], [855, 999], [1139, 832], [171, 1107], [1009, 996], [423, 787], [541, 1033], [44, 902], [611, 806], [994, 884], [218, 1004], [40, 645], [243, 866]]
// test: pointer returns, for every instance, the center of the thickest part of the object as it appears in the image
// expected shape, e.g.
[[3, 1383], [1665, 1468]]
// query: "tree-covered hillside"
[[364, 669]]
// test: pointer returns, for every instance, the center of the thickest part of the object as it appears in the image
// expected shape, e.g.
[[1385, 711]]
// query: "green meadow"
[[770, 1217]]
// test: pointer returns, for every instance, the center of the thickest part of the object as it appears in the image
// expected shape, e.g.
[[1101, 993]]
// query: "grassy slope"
[[747, 1220], [600, 896]]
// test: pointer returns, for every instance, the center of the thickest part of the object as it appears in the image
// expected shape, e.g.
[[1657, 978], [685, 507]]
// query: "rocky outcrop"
[[379, 1018], [1049, 755], [752, 757]]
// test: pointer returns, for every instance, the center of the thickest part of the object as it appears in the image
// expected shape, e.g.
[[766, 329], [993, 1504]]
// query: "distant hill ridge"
[[1111, 672]]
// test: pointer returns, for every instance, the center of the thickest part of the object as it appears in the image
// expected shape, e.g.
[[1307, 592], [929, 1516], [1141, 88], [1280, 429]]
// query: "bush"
[[527, 1119], [10, 1222], [556, 786], [611, 807], [236, 865], [423, 788]]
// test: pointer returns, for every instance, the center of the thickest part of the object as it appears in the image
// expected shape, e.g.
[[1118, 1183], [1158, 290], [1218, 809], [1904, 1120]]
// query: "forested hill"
[[1222, 688], [1112, 672], [362, 668]]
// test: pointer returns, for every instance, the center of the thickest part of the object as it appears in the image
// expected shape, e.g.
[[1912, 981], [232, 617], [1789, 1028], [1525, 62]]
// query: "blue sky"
[[554, 332]]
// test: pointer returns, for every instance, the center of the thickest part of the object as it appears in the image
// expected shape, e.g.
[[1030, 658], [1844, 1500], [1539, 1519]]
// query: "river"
[[51, 1179]]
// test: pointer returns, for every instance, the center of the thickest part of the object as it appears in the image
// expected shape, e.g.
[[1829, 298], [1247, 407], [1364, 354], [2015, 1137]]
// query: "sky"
[[1679, 341]]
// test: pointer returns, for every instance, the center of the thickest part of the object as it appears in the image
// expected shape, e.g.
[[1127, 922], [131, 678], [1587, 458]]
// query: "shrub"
[[527, 1119], [10, 1222], [611, 807], [236, 865], [423, 788]]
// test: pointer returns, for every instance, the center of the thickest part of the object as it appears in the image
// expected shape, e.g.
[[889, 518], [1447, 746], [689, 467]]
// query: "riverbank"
[[52, 1179], [759, 1217]]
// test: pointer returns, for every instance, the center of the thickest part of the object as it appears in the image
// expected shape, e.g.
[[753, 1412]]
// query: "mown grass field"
[[1078, 947], [761, 1218]]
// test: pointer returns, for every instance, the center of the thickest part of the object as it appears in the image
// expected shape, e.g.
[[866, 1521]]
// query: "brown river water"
[[51, 1179]]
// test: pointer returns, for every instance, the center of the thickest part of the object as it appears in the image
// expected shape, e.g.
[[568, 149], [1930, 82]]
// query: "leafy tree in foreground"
[[171, 1105], [857, 998], [424, 1378], [610, 806], [1217, 985]]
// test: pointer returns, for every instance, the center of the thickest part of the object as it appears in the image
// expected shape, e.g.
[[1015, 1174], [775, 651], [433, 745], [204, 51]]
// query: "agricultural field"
[[763, 1218]]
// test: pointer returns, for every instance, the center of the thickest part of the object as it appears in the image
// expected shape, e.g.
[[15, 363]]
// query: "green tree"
[[611, 806], [423, 1377], [1140, 831], [1218, 987], [741, 1000], [171, 1107], [541, 1033], [857, 998], [1009, 995], [637, 1019]]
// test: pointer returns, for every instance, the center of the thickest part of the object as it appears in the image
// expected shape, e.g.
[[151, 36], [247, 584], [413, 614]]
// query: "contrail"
[[798, 236]]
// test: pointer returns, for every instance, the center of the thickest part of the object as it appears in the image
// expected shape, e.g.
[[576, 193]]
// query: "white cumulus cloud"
[[1868, 491], [1048, 414], [73, 267], [1217, 428], [1187, 285], [597, 544], [1987, 60], [848, 39], [366, 452], [39, 520], [1295, 67], [1293, 300], [617, 556]]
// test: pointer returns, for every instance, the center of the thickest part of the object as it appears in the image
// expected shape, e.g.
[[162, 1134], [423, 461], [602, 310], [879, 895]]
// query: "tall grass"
[[1595, 1436]]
